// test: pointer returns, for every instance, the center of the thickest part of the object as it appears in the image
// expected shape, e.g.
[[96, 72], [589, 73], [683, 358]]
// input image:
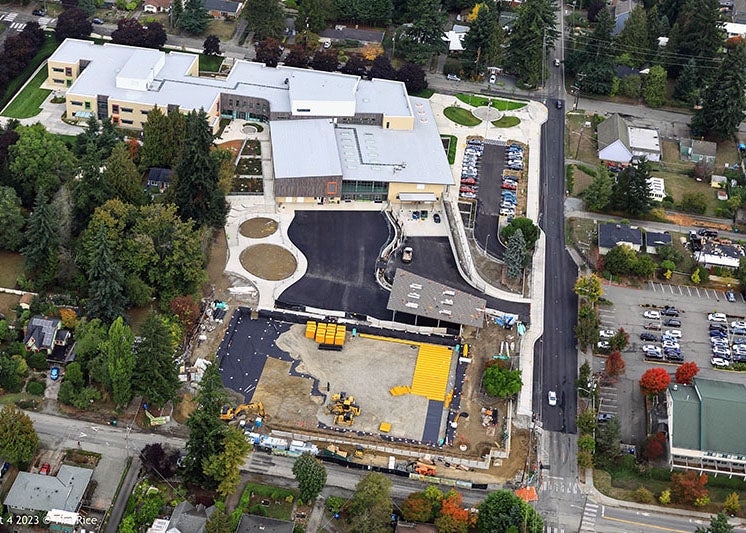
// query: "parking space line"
[[671, 287], [652, 285], [661, 286], [706, 293], [681, 292], [698, 294], [690, 290]]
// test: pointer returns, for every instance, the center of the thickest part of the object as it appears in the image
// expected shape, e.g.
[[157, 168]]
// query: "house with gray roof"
[[739, 11], [223, 8], [188, 518], [654, 240], [250, 523], [696, 150], [41, 333], [611, 235], [703, 434], [613, 140], [37, 493]]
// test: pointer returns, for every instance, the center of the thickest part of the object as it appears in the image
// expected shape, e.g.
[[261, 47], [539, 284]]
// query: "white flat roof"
[[304, 148], [644, 139], [733, 28]]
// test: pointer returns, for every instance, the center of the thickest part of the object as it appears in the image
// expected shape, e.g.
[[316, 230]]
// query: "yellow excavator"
[[229, 413], [346, 419], [342, 404]]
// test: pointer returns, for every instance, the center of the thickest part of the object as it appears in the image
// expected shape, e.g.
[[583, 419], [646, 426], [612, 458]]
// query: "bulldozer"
[[343, 404], [346, 419], [230, 413]]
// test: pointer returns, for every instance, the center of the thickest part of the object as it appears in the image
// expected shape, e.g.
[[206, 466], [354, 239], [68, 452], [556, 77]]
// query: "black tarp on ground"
[[431, 433]]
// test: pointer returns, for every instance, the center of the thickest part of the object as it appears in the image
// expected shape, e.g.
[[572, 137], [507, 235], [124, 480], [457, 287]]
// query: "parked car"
[[719, 351], [556, 62], [717, 334], [676, 333], [436, 218], [468, 195], [677, 357], [453, 77], [669, 344], [44, 470], [708, 233], [406, 254], [672, 322], [604, 345], [97, 21], [670, 311], [719, 341], [738, 324], [493, 79], [605, 417], [648, 337], [468, 181], [650, 348], [606, 333], [730, 296], [738, 331], [558, 104], [717, 317], [651, 314], [719, 362], [552, 396], [653, 326], [739, 340], [54, 374], [668, 338], [38, 12], [718, 326], [508, 186]]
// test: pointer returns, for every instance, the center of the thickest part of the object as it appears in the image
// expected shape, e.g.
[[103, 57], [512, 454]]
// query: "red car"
[[468, 189], [508, 186], [44, 471], [468, 181]]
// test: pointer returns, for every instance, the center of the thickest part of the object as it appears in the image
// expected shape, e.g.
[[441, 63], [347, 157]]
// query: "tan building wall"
[[396, 188], [398, 123], [61, 75]]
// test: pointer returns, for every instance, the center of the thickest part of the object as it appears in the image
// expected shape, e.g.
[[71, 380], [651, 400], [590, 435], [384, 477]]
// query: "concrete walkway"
[[120, 505]]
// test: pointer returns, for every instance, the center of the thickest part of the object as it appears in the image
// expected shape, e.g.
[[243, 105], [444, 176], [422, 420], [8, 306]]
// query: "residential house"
[[621, 143], [734, 30], [702, 432], [345, 33], [61, 345], [37, 493], [696, 150], [645, 142], [713, 253], [223, 8], [611, 235], [654, 240], [159, 178], [657, 189], [250, 523], [188, 518], [739, 11], [41, 333], [156, 6]]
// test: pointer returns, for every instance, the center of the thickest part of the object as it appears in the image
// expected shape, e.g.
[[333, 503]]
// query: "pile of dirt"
[[184, 408]]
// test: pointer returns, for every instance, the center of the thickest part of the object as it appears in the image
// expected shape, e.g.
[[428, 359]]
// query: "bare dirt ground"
[[258, 228], [365, 369], [268, 261]]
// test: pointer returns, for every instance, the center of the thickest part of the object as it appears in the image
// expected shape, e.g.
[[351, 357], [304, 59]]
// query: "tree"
[[39, 160], [516, 254], [620, 340], [41, 252], [453, 517], [122, 176], [72, 23], [129, 32], [700, 27], [589, 287], [11, 220], [655, 447], [224, 467], [723, 102], [504, 511], [587, 421], [598, 193], [732, 504], [686, 372], [310, 475], [186, 310], [355, 66], [598, 65], [586, 443], [687, 86], [608, 443], [195, 17], [105, 281], [615, 365], [325, 60], [688, 487], [483, 42], [654, 381], [584, 380], [156, 139], [370, 506], [211, 46], [266, 18], [314, 14], [417, 508], [502, 382], [177, 9], [620, 260], [423, 37], [413, 77], [381, 68], [699, 275], [631, 192], [206, 430], [634, 33], [654, 91], [718, 524], [195, 188], [528, 228], [643, 266], [159, 461], [18, 439], [586, 330], [120, 361], [155, 376], [297, 57], [219, 522], [525, 51], [268, 51]]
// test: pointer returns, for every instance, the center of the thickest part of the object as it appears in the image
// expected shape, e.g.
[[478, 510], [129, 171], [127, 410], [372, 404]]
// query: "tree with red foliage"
[[615, 365], [689, 486], [654, 381], [129, 32], [186, 310], [134, 149], [326, 60], [297, 57], [453, 517], [654, 446], [686, 372], [72, 23], [268, 51], [417, 508]]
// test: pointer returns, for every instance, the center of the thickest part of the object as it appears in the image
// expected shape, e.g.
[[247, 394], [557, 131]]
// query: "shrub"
[[36, 388], [665, 497], [643, 495], [585, 459], [702, 501], [732, 504], [258, 509], [37, 361]]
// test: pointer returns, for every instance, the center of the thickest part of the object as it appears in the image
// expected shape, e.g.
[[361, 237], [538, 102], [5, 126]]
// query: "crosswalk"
[[590, 513], [10, 18], [559, 485]]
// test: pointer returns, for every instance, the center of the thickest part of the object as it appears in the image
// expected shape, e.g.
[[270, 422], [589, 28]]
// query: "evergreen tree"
[[633, 38], [120, 361], [425, 36], [598, 59], [122, 176], [219, 522], [177, 9], [718, 524], [700, 26], [105, 278], [482, 41], [155, 140], [687, 86], [655, 86], [195, 17], [597, 195], [631, 192], [724, 103], [110, 137], [311, 477], [655, 29], [516, 254], [176, 134], [266, 18], [534, 31], [195, 190], [155, 376], [206, 430], [89, 191], [504, 511], [11, 220], [224, 467], [41, 252], [314, 15]]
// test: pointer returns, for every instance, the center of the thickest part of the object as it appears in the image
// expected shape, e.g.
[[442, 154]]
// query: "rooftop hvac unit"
[[449, 293], [415, 286], [445, 312], [447, 302], [413, 295], [413, 305]]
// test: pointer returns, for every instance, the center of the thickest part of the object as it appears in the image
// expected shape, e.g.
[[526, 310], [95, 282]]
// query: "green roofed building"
[[705, 433]]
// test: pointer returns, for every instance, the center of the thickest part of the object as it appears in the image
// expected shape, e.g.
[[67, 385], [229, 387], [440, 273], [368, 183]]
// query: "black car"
[[649, 337], [674, 357], [97, 21], [670, 311], [38, 12], [559, 104], [673, 322], [436, 218], [708, 233], [718, 326]]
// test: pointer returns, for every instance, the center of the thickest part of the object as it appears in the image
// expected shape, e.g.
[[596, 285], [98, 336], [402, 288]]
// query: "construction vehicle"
[[342, 405], [359, 451], [230, 413], [421, 468], [346, 419]]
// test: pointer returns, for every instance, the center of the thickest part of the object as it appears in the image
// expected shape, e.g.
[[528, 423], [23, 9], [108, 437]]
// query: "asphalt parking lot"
[[342, 248], [488, 199]]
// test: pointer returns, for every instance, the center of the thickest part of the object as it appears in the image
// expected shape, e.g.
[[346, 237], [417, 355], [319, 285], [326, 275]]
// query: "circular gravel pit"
[[258, 228], [268, 261]]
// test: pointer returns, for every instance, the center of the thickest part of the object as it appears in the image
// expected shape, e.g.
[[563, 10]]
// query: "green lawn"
[[209, 63], [451, 147], [479, 101], [46, 50], [506, 122], [27, 103], [427, 93], [462, 116], [678, 184]]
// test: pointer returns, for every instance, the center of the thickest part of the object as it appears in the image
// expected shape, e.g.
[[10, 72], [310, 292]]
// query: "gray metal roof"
[[610, 234], [611, 130], [250, 523], [304, 148], [705, 416], [339, 33], [653, 238], [704, 148], [187, 518], [35, 492], [420, 296], [223, 6]]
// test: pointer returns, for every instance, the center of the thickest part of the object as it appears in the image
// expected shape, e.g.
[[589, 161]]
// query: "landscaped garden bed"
[[249, 166], [247, 185], [252, 147]]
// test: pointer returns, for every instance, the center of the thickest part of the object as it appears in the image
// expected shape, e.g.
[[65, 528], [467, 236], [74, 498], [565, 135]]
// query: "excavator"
[[346, 419], [341, 404], [230, 413]]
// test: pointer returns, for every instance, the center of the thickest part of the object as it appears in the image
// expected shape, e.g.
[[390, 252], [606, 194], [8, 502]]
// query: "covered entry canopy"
[[417, 197], [420, 296]]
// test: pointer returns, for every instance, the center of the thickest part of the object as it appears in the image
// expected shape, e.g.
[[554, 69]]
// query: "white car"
[[650, 348], [675, 333], [738, 324], [719, 362], [604, 345], [717, 341], [651, 314], [717, 350], [674, 345], [606, 333], [453, 77], [717, 317], [739, 349], [552, 398]]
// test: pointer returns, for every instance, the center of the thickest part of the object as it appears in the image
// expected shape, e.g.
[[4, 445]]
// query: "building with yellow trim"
[[334, 136]]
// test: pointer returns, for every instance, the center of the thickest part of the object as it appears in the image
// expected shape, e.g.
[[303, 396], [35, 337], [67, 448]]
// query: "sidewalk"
[[120, 505]]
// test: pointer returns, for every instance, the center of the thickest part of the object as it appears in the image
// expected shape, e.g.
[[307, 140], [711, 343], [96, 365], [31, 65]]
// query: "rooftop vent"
[[413, 295], [415, 286]]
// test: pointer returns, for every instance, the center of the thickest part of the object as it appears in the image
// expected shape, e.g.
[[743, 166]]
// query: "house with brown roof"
[[156, 6]]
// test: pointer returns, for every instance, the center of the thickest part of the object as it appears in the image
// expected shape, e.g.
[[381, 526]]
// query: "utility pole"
[[578, 84]]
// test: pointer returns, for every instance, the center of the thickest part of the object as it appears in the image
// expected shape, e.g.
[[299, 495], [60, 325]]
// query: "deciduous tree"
[[686, 372], [72, 23], [325, 60], [356, 66], [268, 51], [502, 382], [223, 467], [615, 365], [654, 91], [655, 447], [589, 287], [453, 517], [381, 68], [620, 340], [120, 361], [504, 511], [211, 46], [527, 226], [18, 439], [11, 219], [732, 504], [654, 381], [417, 508], [310, 475], [413, 77], [297, 57], [370, 506], [688, 486]]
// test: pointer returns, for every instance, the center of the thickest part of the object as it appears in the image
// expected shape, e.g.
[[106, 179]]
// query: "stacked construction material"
[[400, 391], [326, 334]]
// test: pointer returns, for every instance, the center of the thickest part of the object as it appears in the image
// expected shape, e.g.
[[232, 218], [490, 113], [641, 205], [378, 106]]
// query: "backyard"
[[580, 140], [265, 500]]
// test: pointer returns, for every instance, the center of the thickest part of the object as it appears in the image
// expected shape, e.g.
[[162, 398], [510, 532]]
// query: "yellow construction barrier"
[[310, 329], [321, 333], [385, 427], [449, 398], [339, 338], [400, 391]]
